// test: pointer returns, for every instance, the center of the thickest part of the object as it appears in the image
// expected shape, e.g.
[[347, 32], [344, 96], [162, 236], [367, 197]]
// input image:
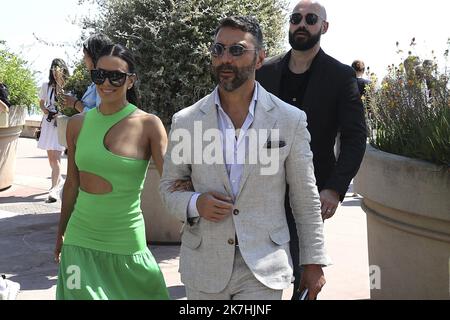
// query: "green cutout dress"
[[105, 254]]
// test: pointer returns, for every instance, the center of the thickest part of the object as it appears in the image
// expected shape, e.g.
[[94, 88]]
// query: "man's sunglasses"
[[116, 78], [310, 18], [236, 50]]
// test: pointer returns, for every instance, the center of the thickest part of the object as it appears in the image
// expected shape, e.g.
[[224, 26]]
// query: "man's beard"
[[305, 43], [240, 75]]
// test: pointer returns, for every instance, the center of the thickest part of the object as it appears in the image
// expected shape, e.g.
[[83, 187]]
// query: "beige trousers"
[[242, 286]]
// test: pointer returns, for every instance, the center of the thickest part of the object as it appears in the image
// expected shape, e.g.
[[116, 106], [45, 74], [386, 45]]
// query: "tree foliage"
[[170, 40], [15, 73]]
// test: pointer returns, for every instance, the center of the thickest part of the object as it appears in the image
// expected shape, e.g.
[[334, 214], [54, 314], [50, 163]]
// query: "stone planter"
[[160, 226], [30, 128], [9, 137], [61, 128], [407, 203]]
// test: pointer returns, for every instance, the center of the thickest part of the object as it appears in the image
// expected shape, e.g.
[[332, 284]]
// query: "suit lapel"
[[210, 121], [263, 120]]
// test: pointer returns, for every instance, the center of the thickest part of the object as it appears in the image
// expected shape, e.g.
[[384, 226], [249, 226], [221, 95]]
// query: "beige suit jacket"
[[207, 249]]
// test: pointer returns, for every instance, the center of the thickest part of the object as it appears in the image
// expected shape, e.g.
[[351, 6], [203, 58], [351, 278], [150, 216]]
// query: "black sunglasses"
[[310, 18], [236, 50], [116, 78]]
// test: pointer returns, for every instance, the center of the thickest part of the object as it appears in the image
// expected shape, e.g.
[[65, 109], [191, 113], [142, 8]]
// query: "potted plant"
[[405, 181], [15, 74]]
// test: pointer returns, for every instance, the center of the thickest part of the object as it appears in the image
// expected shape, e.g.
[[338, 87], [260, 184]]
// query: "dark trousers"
[[293, 246]]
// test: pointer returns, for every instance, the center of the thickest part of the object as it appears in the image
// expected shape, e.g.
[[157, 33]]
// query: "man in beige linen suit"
[[235, 239]]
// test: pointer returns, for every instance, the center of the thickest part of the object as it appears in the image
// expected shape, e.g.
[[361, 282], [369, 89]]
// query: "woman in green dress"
[[101, 244]]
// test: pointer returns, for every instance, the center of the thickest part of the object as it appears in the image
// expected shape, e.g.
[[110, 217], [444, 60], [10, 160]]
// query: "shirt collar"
[[252, 106]]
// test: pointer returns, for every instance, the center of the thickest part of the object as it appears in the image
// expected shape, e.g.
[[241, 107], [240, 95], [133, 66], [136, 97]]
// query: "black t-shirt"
[[293, 87]]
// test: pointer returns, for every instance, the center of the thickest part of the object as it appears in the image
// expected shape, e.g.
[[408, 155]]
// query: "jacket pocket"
[[280, 235], [191, 240]]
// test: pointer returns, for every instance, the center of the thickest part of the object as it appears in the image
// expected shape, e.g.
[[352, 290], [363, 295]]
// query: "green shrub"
[[170, 40], [15, 73], [410, 113]]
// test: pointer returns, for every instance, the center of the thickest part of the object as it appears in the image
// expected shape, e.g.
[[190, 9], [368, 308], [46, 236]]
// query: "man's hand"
[[329, 200], [69, 101], [214, 206], [313, 279]]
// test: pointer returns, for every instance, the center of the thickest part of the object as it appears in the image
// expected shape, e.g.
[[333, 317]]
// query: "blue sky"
[[363, 29]]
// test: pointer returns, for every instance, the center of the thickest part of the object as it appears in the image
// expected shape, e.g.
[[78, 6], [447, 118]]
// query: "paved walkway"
[[28, 228]]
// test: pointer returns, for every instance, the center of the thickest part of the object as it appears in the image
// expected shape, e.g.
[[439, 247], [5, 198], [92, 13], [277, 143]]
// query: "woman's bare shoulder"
[[75, 122], [148, 118], [77, 118]]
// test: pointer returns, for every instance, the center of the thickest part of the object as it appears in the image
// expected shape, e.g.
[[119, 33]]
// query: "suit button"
[[231, 241], [235, 212]]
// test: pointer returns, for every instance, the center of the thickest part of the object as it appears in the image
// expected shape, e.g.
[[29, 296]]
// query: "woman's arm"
[[73, 102], [158, 141], [42, 106], [70, 190], [42, 96]]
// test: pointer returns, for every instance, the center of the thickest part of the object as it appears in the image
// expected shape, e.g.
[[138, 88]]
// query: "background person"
[[311, 80], [91, 51], [50, 93], [4, 98], [360, 68]]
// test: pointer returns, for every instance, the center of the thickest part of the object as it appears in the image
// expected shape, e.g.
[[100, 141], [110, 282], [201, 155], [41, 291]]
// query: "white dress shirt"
[[234, 148]]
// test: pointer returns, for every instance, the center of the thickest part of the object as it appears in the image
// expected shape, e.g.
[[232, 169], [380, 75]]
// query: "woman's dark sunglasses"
[[310, 18], [236, 50], [116, 78]]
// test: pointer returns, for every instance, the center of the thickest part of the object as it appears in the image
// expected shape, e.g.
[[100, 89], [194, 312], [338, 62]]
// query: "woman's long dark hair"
[[120, 51], [57, 63], [94, 45]]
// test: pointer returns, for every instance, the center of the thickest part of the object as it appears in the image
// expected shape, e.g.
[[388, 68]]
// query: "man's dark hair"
[[246, 24], [94, 45]]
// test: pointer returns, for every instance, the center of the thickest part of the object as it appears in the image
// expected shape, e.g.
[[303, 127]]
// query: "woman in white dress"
[[51, 91]]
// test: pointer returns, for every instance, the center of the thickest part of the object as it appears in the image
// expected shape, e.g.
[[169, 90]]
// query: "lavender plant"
[[410, 114]]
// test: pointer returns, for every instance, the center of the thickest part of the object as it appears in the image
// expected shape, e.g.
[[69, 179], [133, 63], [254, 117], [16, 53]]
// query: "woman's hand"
[[58, 246]]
